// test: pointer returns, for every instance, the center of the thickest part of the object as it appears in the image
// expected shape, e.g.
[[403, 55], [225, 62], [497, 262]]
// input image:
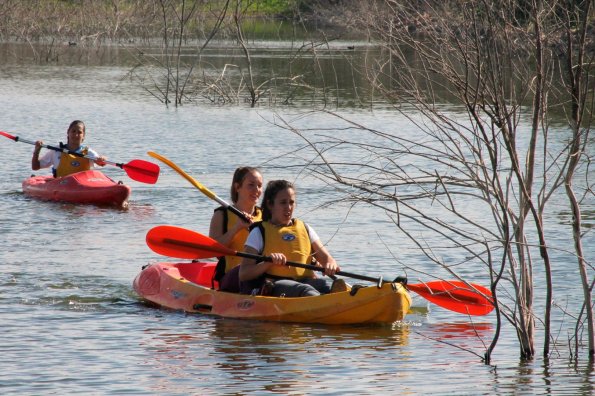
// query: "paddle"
[[457, 296], [139, 170], [198, 185]]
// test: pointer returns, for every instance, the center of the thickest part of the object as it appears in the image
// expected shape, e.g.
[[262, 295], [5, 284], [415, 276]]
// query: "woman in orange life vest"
[[284, 238], [231, 231], [64, 164]]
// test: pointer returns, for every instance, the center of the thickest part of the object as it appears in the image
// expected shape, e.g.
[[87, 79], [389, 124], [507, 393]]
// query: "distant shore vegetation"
[[97, 20]]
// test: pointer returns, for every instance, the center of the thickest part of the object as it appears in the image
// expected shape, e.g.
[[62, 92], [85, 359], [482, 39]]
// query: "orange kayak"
[[187, 287], [87, 187]]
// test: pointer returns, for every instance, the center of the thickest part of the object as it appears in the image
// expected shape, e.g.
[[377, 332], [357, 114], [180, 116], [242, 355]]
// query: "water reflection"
[[239, 333], [587, 216], [465, 330], [284, 74], [267, 356]]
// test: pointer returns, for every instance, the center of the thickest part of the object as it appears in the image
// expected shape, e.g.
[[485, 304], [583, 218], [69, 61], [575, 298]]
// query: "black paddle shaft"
[[229, 252], [378, 280], [63, 150]]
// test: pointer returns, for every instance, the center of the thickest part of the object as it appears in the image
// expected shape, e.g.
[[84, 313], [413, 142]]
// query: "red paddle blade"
[[456, 296], [183, 243], [8, 135], [142, 171]]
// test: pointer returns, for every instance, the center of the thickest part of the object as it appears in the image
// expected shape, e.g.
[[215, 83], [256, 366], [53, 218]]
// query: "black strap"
[[221, 264], [219, 270]]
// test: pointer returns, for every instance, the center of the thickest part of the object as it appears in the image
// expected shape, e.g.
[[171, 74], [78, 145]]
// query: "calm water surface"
[[71, 323]]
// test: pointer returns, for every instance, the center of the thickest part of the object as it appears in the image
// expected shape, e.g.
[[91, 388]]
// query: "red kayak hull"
[[87, 187]]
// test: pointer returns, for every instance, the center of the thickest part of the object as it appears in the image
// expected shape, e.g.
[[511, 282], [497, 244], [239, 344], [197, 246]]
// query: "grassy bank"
[[94, 21]]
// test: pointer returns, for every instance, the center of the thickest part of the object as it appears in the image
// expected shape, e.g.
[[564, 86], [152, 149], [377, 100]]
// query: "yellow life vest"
[[294, 242], [237, 243], [70, 164]]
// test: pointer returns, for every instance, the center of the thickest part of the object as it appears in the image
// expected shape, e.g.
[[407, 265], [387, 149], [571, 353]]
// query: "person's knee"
[[308, 290], [294, 289], [320, 285]]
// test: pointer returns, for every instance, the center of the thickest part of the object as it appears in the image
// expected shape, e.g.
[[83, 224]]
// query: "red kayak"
[[87, 187]]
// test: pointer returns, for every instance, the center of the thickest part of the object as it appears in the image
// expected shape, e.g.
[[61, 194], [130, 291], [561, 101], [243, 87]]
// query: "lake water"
[[71, 323]]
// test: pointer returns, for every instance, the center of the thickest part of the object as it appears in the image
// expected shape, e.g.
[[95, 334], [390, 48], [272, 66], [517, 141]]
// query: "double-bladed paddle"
[[139, 170], [457, 296], [198, 185]]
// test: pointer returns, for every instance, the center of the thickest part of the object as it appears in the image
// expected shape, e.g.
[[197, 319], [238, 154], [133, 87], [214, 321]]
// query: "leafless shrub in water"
[[182, 71], [168, 40], [509, 67]]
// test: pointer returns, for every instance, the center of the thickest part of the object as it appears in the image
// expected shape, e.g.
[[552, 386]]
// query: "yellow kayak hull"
[[187, 287]]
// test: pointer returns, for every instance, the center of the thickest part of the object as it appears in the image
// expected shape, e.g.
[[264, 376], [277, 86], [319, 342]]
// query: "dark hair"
[[238, 177], [273, 188], [73, 124]]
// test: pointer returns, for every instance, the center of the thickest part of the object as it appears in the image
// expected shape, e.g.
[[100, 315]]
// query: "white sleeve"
[[312, 234], [92, 154], [50, 158], [255, 241]]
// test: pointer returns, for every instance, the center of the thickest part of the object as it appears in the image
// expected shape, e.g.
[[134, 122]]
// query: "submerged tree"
[[181, 70], [167, 74], [509, 67]]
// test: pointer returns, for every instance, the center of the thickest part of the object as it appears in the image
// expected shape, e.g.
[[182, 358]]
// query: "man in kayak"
[[284, 239], [64, 164], [230, 230]]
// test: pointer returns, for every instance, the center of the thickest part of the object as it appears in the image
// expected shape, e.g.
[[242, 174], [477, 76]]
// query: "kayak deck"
[[187, 287], [87, 187]]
